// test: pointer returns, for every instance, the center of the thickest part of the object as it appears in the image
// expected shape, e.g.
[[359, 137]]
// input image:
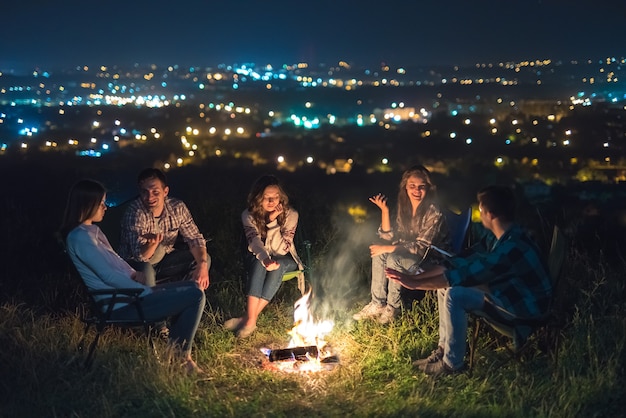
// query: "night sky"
[[66, 33]]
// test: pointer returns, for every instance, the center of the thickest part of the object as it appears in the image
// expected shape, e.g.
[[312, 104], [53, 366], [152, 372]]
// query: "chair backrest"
[[111, 224], [458, 225], [507, 326], [556, 256]]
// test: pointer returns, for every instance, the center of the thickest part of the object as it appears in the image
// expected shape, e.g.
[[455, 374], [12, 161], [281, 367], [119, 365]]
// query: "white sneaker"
[[371, 310], [388, 314]]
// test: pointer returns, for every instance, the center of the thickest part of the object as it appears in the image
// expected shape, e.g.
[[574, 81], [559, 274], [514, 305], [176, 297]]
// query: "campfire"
[[307, 350]]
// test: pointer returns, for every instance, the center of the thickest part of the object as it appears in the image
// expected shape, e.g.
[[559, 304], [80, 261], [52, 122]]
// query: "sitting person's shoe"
[[371, 310], [388, 315], [245, 331], [435, 356], [439, 368], [164, 334], [191, 367], [233, 324]]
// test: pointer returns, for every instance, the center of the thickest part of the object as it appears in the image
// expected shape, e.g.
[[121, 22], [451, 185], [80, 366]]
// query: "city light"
[[487, 124]]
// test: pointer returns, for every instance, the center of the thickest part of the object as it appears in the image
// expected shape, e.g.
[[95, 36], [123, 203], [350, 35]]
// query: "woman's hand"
[[381, 249], [380, 200], [270, 265], [139, 277], [275, 213]]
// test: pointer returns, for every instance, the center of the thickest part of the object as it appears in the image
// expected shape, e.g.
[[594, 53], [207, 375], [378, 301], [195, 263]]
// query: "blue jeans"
[[183, 302], [454, 303], [264, 284], [385, 292], [174, 266]]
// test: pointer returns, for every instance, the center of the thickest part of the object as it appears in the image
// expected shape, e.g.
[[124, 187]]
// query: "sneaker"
[[435, 356], [388, 315], [164, 334], [371, 310], [439, 368]]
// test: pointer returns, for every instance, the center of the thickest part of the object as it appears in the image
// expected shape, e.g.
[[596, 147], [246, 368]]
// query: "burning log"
[[307, 351], [294, 353]]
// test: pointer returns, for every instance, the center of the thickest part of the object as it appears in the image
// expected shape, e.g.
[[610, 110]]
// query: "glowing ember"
[[306, 351]]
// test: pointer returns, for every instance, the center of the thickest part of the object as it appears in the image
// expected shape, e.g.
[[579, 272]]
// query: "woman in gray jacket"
[[269, 224]]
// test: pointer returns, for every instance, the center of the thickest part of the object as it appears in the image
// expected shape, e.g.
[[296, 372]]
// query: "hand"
[[394, 275], [152, 240], [376, 250], [201, 275], [274, 214], [404, 280], [139, 277], [270, 265], [380, 200]]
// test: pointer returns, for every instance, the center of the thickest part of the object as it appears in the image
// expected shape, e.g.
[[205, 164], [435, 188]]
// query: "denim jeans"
[[182, 302], [385, 292], [264, 284], [174, 266], [454, 303]]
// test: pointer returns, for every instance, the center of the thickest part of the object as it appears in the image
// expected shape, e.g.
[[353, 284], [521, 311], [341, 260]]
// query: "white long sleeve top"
[[98, 264]]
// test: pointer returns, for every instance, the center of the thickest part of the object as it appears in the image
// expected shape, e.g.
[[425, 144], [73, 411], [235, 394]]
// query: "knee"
[[379, 259], [394, 261], [201, 297], [451, 294]]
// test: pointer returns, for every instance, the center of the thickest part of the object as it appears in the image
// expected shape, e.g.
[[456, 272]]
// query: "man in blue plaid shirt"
[[505, 269]]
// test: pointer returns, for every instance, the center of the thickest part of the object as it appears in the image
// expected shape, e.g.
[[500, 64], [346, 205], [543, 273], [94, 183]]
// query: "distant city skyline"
[[46, 34]]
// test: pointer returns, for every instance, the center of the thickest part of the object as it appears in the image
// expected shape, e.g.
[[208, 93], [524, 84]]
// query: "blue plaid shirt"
[[511, 269]]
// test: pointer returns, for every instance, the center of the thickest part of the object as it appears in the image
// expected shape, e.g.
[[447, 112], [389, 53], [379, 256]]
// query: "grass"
[[43, 374]]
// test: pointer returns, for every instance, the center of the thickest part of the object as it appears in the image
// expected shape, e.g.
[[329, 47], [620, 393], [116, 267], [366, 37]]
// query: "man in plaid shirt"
[[151, 226], [505, 269]]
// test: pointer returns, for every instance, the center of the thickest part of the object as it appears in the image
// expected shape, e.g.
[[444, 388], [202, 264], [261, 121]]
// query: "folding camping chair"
[[507, 326]]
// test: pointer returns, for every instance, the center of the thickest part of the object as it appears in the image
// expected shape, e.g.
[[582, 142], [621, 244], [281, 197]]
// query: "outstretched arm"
[[430, 279], [380, 200]]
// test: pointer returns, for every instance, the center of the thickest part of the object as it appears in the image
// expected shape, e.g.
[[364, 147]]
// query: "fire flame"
[[306, 332]]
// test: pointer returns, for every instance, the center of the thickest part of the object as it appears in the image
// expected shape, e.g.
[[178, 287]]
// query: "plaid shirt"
[[175, 219], [512, 269], [429, 229]]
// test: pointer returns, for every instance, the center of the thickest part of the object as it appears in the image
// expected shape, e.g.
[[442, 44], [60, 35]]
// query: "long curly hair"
[[405, 218], [255, 202]]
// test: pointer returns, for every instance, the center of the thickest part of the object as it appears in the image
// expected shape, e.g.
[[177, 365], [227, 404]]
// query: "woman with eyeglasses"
[[101, 268], [269, 224], [419, 223]]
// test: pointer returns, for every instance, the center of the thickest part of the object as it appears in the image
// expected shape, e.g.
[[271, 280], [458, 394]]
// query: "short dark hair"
[[499, 201], [152, 173]]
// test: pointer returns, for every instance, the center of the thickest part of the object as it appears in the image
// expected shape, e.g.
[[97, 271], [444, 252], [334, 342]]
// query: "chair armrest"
[[131, 291], [111, 297]]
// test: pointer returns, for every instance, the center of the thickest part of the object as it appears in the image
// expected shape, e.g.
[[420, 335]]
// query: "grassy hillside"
[[42, 373]]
